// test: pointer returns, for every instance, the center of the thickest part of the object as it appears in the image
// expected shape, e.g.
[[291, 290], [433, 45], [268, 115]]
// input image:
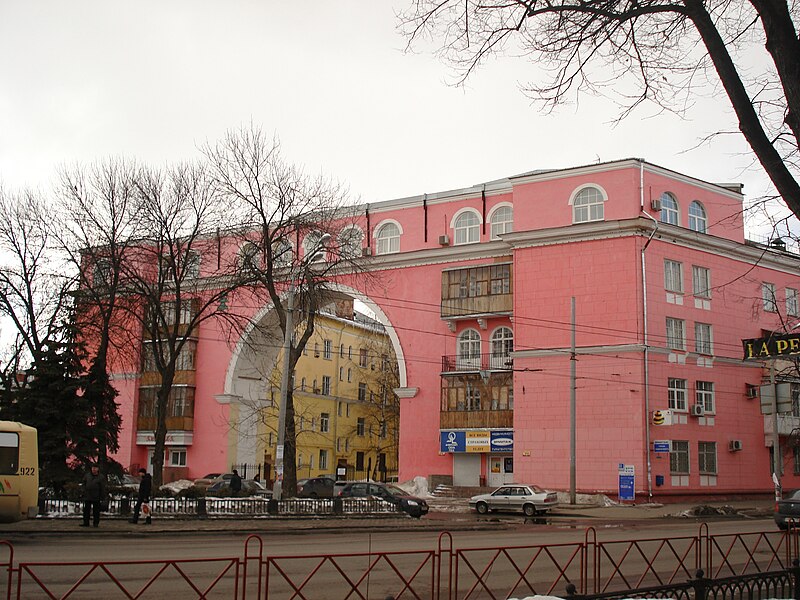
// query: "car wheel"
[[482, 508], [529, 510]]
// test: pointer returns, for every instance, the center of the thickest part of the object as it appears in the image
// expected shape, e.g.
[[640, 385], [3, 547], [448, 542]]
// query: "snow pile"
[[176, 486], [416, 487]]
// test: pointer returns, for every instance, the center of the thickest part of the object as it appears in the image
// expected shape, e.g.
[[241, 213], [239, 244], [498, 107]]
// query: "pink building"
[[475, 287]]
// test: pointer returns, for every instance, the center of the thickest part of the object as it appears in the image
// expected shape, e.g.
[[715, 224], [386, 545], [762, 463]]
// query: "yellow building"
[[346, 412]]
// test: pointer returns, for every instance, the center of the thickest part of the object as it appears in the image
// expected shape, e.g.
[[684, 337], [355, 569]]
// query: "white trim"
[[377, 227], [460, 212], [583, 186]]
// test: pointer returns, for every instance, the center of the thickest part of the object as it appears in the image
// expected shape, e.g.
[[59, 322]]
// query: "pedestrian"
[[143, 495], [236, 483], [94, 492]]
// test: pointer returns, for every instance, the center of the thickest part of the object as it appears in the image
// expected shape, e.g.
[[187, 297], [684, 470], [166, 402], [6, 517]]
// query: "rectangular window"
[[324, 421], [362, 392], [177, 458], [359, 461], [679, 458], [339, 408], [316, 349], [796, 453], [383, 430], [362, 357], [676, 390], [673, 276], [702, 338], [360, 426], [323, 459], [707, 458], [791, 302], [701, 282], [271, 441], [349, 375], [347, 408], [768, 297], [327, 349], [341, 350], [341, 373], [676, 334], [326, 385], [704, 395]]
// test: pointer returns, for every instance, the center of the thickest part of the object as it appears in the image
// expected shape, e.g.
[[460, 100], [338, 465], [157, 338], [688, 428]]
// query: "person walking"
[[236, 483], [143, 495], [94, 492]]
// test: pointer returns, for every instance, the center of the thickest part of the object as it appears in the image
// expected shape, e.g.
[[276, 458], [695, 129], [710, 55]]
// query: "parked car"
[[250, 487], [338, 486], [210, 479], [315, 487], [126, 481], [788, 509], [416, 507], [530, 499]]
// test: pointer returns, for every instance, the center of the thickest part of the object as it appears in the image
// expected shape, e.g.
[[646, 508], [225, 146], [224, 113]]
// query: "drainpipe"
[[646, 353], [483, 207], [425, 214]]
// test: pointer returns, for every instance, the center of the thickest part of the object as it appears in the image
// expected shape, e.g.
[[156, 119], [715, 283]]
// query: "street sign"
[[627, 482], [662, 446]]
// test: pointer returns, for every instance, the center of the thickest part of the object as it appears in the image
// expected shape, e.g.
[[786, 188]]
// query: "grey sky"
[[80, 80]]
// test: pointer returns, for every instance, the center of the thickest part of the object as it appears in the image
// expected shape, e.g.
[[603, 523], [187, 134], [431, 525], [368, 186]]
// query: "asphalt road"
[[378, 563]]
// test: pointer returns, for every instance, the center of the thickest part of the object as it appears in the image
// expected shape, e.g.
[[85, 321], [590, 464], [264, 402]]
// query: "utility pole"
[[285, 376], [572, 420]]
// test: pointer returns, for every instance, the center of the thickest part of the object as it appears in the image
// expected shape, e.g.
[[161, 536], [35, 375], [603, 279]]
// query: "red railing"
[[443, 572]]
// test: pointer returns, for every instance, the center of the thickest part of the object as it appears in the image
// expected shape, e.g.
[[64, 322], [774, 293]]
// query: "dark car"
[[315, 487], [250, 487], [788, 509], [416, 507]]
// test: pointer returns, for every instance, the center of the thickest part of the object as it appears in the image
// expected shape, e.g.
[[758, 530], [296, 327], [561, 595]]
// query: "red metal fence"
[[444, 572]]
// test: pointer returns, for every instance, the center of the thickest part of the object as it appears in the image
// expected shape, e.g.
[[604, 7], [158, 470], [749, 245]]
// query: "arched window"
[[314, 246], [388, 239], [697, 217], [350, 242], [502, 221], [469, 349], [467, 228], [282, 253], [587, 205], [192, 266], [669, 209], [502, 345], [249, 260]]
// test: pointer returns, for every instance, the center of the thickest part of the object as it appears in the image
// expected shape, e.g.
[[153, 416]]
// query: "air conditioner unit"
[[752, 391], [655, 204], [366, 251], [735, 445], [697, 410], [444, 240]]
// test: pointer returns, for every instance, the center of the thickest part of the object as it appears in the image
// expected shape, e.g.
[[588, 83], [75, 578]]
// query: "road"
[[378, 564]]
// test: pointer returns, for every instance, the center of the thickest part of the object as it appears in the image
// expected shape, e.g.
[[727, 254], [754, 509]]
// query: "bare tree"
[[98, 221], [298, 234], [177, 277], [660, 51]]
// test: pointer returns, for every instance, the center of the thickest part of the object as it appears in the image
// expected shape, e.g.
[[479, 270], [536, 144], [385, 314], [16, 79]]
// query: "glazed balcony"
[[477, 291], [173, 423], [476, 419], [471, 400]]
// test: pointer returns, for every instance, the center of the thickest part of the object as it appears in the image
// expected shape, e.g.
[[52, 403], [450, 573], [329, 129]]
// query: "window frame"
[[792, 302], [581, 202], [698, 218], [707, 458], [769, 299], [703, 338], [677, 394], [676, 334], [701, 282], [670, 214], [387, 237], [673, 276], [500, 226], [679, 458], [324, 422], [466, 233], [704, 395]]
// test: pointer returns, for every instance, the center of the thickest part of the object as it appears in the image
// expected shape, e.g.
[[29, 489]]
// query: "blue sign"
[[627, 482], [502, 441], [453, 441], [662, 446]]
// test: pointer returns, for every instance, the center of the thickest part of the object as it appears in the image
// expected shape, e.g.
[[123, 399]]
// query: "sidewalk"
[[450, 514]]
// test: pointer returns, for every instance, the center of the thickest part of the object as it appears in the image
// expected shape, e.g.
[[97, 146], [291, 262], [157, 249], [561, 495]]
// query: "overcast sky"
[[83, 80]]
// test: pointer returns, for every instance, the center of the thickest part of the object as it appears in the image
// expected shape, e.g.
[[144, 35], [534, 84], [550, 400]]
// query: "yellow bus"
[[19, 472]]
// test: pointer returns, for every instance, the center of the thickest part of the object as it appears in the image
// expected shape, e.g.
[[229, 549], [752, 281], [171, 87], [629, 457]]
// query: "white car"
[[530, 499]]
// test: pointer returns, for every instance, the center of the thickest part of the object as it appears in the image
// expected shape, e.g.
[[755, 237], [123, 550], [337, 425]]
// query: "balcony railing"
[[787, 424], [477, 362], [472, 419]]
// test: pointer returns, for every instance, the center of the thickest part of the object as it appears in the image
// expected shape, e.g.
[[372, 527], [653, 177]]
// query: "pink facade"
[[451, 294]]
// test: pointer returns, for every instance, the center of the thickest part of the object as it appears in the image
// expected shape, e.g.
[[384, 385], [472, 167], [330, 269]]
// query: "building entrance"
[[501, 470]]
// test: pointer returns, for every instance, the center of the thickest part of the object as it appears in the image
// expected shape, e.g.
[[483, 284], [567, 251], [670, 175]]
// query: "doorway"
[[501, 470]]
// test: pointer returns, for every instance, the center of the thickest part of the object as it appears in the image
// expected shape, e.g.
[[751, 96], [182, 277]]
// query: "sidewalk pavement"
[[450, 514]]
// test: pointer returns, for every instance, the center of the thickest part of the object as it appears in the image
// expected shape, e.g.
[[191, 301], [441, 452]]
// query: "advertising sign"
[[451, 441], [502, 441], [772, 346], [627, 482]]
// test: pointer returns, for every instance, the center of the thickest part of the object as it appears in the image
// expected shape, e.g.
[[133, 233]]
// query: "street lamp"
[[286, 375]]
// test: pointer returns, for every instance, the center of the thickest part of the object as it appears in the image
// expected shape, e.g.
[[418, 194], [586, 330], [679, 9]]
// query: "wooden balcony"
[[476, 419], [173, 423], [497, 304], [476, 363]]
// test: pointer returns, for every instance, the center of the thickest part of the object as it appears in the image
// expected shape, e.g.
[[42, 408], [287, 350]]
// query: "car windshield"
[[795, 495], [396, 491]]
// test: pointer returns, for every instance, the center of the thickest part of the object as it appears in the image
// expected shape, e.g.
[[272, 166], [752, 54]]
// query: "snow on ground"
[[176, 486], [416, 487]]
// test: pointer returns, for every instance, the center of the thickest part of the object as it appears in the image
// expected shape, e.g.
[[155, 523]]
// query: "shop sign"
[[502, 441]]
